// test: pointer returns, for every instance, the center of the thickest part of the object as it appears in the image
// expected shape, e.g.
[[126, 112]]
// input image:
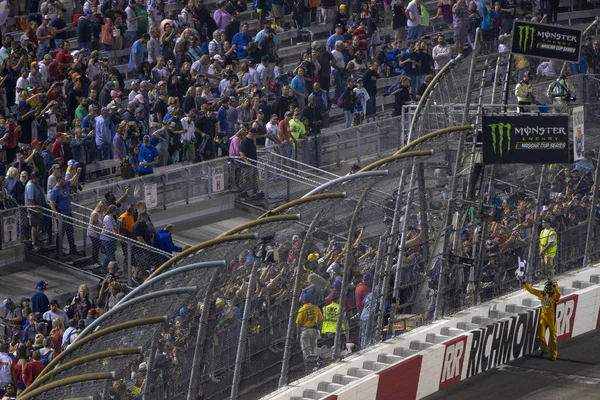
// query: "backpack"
[[125, 170], [558, 89], [340, 101]]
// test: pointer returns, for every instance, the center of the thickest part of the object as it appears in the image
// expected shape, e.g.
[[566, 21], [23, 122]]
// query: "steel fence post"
[[163, 178], [338, 156], [447, 224], [289, 337], [369, 337], [589, 245], [59, 241], [424, 210], [188, 176], [241, 349], [201, 339], [481, 251], [129, 264], [378, 140], [533, 237], [1, 231], [345, 277], [357, 130], [209, 181], [151, 362], [266, 182], [400, 260]]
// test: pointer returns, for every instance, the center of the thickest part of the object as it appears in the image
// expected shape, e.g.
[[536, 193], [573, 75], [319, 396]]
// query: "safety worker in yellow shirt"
[[308, 320], [549, 298], [330, 316], [548, 249]]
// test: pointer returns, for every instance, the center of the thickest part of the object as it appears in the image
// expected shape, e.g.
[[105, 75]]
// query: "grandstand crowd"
[[133, 82]]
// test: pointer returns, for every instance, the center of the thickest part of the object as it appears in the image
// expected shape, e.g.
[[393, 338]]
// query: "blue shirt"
[[147, 153], [299, 84], [39, 302], [240, 41], [262, 34], [138, 50], [408, 67], [105, 130], [164, 241], [222, 117], [334, 38], [61, 197]]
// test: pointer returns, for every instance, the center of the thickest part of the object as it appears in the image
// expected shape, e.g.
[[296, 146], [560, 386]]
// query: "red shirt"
[[361, 291], [284, 127], [64, 57], [58, 152], [32, 370], [14, 134], [362, 38]]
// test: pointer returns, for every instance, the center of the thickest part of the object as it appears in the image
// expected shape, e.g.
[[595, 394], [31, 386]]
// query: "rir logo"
[[526, 34], [454, 358], [566, 309], [500, 136]]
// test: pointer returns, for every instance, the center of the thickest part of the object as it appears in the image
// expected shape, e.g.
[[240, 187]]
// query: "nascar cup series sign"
[[525, 139], [546, 41]]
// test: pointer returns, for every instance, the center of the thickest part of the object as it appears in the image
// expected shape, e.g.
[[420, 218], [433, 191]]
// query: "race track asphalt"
[[574, 376]]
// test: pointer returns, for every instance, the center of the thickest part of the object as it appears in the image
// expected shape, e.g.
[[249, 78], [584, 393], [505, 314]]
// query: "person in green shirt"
[[81, 110], [142, 22], [297, 128]]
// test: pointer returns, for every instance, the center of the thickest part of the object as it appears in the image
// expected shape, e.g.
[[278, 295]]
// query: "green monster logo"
[[526, 33], [500, 134]]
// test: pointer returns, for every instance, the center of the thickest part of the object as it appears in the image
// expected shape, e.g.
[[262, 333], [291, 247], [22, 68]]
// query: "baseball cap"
[[135, 82], [140, 98], [274, 116], [115, 94], [54, 302], [72, 162], [42, 284], [75, 75], [218, 58], [142, 83], [48, 57], [34, 174], [35, 142], [146, 138], [7, 302], [261, 111], [92, 311], [289, 114], [46, 17], [93, 107], [60, 134], [24, 37], [339, 26], [104, 110], [88, 12], [367, 277], [110, 84], [251, 63], [81, 323], [305, 297], [342, 6], [95, 53], [25, 299], [337, 285]]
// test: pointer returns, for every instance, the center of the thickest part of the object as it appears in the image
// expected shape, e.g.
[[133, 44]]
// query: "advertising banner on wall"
[[525, 139], [546, 41], [578, 133]]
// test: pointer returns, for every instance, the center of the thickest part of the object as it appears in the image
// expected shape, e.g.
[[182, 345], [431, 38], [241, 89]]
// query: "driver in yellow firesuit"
[[549, 298]]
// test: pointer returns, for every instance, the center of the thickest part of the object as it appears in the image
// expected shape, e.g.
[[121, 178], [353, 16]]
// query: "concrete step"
[[531, 302], [299, 398], [479, 320], [314, 394], [467, 326], [389, 358], [404, 352], [515, 308], [595, 278], [419, 345], [358, 372], [582, 284], [497, 314], [449, 331], [344, 379], [435, 338], [567, 290], [328, 387], [374, 365]]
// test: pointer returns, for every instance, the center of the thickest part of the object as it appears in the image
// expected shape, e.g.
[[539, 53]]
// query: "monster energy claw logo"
[[526, 34], [500, 134]]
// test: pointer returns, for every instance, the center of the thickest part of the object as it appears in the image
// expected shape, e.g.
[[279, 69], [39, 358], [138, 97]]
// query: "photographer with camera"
[[561, 91]]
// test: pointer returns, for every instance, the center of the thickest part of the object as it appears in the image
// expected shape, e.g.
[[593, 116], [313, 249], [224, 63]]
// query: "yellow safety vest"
[[544, 237], [330, 315]]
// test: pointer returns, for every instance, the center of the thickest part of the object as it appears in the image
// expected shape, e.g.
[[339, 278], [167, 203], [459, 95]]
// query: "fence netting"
[[389, 242]]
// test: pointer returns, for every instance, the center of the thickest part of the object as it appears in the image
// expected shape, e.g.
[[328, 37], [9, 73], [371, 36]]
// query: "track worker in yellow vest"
[[549, 298], [308, 320], [548, 249], [330, 316]]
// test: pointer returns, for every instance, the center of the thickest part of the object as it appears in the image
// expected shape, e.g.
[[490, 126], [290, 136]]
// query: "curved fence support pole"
[[447, 224], [589, 245], [481, 251], [289, 337], [376, 290], [200, 339], [534, 237], [345, 276]]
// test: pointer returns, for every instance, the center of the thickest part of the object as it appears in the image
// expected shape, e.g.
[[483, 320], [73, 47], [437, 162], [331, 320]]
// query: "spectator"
[[361, 291], [164, 240], [411, 61], [413, 15], [309, 321], [108, 235], [442, 53], [399, 21], [240, 42], [148, 157], [56, 312], [80, 304], [460, 23], [524, 93], [35, 198], [136, 56], [60, 202], [348, 103], [370, 83], [39, 301], [94, 229], [84, 31], [33, 369]]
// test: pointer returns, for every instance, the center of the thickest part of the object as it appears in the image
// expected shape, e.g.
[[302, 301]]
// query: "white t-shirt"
[[50, 316], [362, 96], [339, 59], [272, 130], [4, 11], [5, 365], [132, 26], [188, 126], [413, 9], [22, 83]]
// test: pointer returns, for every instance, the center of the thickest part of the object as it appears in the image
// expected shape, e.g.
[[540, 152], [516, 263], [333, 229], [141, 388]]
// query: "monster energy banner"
[[525, 139], [546, 41]]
